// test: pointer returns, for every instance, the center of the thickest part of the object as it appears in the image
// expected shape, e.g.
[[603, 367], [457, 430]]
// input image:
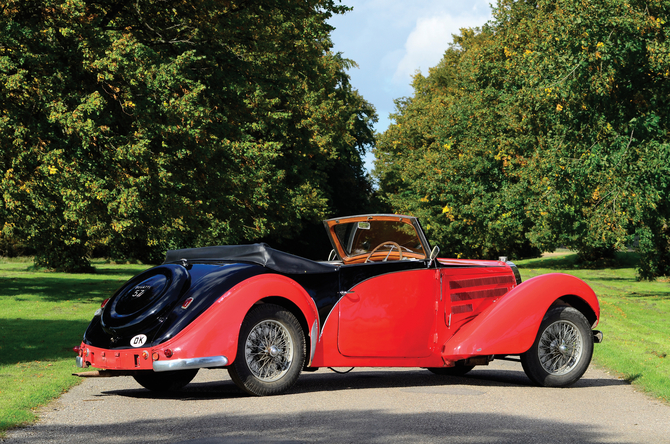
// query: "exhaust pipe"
[[597, 336]]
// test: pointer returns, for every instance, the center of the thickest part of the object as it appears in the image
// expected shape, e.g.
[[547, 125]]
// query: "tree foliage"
[[137, 126], [437, 160], [549, 127]]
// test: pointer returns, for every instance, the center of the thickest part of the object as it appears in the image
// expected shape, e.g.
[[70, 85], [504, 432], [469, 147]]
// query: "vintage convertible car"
[[383, 299]]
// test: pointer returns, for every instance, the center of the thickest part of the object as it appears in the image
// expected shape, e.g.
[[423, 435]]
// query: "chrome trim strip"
[[313, 338], [185, 364]]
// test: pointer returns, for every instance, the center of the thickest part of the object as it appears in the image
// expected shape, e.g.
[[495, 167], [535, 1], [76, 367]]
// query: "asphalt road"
[[494, 404]]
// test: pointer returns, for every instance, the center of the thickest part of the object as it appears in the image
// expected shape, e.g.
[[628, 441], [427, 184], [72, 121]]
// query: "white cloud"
[[427, 42], [391, 39]]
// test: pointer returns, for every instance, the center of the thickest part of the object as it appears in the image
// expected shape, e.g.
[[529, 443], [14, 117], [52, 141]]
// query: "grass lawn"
[[43, 315], [635, 319]]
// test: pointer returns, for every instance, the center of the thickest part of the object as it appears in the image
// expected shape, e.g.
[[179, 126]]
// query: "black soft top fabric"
[[260, 254]]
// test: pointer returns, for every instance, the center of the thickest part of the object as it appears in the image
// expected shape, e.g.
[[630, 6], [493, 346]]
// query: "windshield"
[[361, 236]]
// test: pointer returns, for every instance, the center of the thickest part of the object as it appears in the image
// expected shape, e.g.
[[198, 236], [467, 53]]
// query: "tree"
[[593, 83], [138, 126], [437, 160], [557, 125]]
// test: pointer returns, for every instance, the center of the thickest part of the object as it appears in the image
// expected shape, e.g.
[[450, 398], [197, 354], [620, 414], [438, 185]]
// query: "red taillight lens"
[[104, 303], [76, 349], [168, 353], [186, 303]]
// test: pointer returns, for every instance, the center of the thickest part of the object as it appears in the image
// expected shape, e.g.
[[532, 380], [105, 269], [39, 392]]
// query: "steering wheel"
[[393, 244]]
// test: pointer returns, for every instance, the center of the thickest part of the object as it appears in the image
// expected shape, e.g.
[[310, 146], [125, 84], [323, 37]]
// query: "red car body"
[[394, 305]]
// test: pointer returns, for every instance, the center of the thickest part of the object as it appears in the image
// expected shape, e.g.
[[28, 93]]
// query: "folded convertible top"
[[260, 254]]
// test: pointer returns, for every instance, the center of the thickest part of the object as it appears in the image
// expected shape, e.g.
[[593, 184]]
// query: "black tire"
[[165, 381], [457, 370], [143, 298], [270, 351], [562, 350]]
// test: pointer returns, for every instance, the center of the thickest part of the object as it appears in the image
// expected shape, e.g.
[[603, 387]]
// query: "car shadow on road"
[[419, 380], [330, 425], [314, 411], [518, 377]]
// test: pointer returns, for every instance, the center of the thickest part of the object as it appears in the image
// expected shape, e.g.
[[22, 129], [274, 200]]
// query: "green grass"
[[635, 319], [42, 316]]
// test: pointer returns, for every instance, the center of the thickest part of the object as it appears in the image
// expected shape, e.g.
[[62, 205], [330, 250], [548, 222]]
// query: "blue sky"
[[391, 39]]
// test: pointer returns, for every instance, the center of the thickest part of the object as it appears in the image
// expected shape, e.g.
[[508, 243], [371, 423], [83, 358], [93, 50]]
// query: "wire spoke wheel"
[[560, 347], [269, 350]]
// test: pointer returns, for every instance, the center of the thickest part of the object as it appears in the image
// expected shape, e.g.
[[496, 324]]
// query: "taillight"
[[186, 303], [98, 312], [168, 353], [76, 349]]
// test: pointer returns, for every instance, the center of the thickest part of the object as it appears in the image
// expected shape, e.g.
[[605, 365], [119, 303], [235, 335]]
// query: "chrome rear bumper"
[[176, 364]]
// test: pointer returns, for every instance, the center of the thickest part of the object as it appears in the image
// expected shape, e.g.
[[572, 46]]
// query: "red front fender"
[[509, 326]]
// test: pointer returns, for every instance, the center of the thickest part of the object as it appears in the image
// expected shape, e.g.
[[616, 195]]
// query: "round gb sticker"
[[138, 341]]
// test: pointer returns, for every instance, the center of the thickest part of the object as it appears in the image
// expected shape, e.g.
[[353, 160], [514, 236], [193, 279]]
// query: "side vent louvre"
[[480, 282]]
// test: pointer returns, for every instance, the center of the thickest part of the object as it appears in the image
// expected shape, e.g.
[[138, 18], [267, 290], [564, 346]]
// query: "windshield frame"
[[353, 257]]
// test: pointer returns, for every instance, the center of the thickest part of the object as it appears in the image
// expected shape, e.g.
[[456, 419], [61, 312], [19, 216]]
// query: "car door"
[[392, 315]]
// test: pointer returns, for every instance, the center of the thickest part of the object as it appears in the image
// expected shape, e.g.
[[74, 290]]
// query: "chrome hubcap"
[[269, 350], [560, 347]]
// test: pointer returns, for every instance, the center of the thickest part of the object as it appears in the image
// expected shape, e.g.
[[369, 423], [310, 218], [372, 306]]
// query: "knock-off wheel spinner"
[[560, 347], [269, 350]]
